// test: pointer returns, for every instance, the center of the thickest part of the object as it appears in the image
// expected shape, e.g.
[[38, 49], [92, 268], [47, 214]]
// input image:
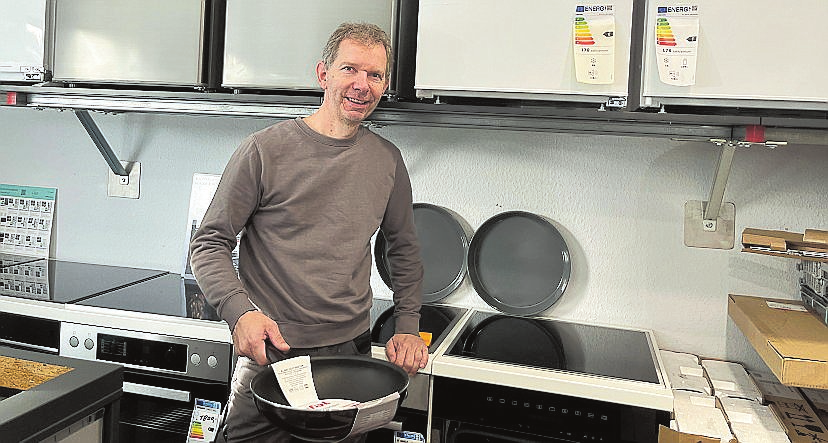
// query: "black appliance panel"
[[169, 294], [68, 282], [469, 409], [557, 345], [22, 331]]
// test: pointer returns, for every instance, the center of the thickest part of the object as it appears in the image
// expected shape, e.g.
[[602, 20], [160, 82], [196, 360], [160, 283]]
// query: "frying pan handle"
[[273, 354]]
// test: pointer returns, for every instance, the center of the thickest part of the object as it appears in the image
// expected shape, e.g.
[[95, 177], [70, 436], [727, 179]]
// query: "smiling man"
[[307, 195]]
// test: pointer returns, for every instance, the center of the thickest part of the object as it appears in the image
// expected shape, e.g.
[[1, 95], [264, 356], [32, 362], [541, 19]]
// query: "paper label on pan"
[[676, 46], [376, 413], [594, 44], [786, 306], [295, 379]]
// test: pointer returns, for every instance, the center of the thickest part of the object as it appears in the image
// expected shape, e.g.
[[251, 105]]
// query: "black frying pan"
[[348, 377]]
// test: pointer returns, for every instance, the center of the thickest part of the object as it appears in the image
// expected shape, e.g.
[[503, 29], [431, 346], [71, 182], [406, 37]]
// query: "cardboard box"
[[667, 435], [790, 340], [685, 372], [753, 422], [730, 379], [801, 422], [819, 400], [700, 415]]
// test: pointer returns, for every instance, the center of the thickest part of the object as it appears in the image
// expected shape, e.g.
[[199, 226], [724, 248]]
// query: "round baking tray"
[[519, 263], [444, 243]]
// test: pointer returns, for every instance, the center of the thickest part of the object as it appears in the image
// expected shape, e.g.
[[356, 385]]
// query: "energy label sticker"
[[593, 32], [677, 44]]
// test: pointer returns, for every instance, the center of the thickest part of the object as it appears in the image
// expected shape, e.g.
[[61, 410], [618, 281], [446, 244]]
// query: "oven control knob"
[[73, 341], [195, 359], [88, 344], [212, 361]]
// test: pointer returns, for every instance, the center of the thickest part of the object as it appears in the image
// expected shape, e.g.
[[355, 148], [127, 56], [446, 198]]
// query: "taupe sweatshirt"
[[307, 206]]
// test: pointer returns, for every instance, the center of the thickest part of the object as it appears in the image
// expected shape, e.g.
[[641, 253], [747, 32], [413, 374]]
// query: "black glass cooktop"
[[168, 294], [67, 282], [435, 319], [551, 344]]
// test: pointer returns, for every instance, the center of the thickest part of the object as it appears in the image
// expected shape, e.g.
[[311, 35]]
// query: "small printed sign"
[[204, 422]]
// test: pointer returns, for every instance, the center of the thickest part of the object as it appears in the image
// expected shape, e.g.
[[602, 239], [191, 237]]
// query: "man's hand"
[[250, 333], [407, 351]]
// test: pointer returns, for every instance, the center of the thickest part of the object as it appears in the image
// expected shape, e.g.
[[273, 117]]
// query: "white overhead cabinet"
[[157, 42], [757, 54], [23, 39], [525, 49], [276, 44]]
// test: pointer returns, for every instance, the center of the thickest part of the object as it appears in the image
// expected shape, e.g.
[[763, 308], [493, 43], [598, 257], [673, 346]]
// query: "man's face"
[[355, 81]]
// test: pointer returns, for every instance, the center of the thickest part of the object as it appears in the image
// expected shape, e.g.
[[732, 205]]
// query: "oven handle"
[[155, 391]]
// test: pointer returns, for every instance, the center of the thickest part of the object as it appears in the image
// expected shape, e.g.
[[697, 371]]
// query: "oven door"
[[157, 408]]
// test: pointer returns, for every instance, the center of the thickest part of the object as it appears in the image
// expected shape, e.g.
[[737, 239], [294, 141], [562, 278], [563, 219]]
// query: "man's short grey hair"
[[367, 34]]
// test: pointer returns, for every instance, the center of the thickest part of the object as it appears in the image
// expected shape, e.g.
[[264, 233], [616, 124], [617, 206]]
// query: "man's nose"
[[361, 81]]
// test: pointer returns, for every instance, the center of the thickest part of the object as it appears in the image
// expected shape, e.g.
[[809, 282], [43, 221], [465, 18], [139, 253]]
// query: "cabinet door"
[[23, 37], [127, 41], [758, 54], [276, 44], [512, 49]]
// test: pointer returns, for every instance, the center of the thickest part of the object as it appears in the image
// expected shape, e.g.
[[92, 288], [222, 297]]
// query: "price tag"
[[204, 422]]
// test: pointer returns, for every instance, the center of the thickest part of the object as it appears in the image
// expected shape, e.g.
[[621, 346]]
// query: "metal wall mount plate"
[[714, 234]]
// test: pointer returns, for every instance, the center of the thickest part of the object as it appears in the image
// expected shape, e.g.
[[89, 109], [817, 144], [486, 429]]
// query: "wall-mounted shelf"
[[540, 117]]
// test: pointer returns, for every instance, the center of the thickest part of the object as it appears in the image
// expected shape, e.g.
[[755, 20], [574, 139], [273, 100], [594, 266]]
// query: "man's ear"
[[322, 75]]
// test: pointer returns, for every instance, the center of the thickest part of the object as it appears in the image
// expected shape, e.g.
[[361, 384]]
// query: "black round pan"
[[519, 263], [518, 340], [444, 242]]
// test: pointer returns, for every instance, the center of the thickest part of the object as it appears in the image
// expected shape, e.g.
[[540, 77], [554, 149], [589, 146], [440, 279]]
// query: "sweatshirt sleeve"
[[403, 254], [211, 248]]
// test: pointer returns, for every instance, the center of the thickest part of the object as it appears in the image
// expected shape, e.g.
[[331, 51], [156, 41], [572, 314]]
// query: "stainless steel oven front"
[[163, 375]]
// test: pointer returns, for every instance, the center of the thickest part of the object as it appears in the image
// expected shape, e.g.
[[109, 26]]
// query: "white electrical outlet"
[[126, 186]]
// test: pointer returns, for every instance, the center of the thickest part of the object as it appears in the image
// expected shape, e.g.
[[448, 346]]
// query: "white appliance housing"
[[156, 42], [761, 54], [518, 49], [23, 31], [276, 45]]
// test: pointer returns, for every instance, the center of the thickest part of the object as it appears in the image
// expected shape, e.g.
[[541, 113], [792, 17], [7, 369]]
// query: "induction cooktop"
[[435, 319], [67, 282], [557, 345], [169, 294]]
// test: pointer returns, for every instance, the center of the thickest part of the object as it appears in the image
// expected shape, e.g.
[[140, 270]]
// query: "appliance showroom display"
[[510, 378], [156, 324], [514, 375]]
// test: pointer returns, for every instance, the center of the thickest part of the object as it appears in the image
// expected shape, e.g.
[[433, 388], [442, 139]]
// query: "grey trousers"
[[244, 424]]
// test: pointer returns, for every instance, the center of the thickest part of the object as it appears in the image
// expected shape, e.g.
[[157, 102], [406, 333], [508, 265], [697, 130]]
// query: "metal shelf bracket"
[[711, 223], [100, 141]]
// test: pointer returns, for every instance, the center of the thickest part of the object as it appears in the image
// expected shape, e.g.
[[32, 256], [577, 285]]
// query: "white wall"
[[617, 200]]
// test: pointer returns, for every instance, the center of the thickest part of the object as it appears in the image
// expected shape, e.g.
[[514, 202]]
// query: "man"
[[307, 195]]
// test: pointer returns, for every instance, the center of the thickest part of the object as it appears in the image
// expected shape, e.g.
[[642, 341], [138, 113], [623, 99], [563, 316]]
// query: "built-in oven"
[[506, 378], [172, 344], [163, 376]]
